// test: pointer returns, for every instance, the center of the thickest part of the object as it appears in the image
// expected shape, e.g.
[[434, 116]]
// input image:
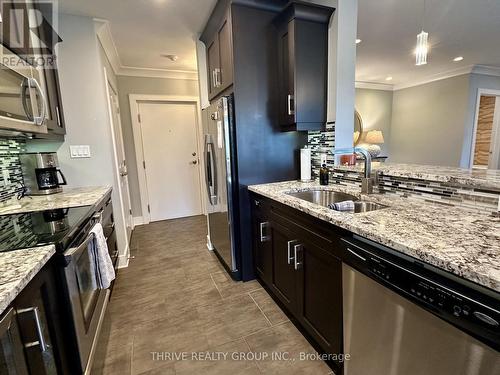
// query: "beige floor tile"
[[270, 309]]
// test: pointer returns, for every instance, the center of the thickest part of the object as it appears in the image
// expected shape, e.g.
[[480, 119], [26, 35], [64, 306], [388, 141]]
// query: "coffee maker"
[[41, 173]]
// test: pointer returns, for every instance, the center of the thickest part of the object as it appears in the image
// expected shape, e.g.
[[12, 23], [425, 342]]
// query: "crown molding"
[[103, 30], [486, 70], [133, 71], [374, 86], [436, 77]]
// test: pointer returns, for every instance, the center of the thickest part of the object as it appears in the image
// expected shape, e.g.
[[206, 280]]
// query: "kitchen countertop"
[[478, 178], [71, 197], [17, 269], [464, 243]]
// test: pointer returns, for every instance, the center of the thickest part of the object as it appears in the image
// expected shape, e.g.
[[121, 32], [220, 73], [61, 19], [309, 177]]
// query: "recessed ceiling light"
[[389, 78], [170, 57], [458, 58], [358, 41]]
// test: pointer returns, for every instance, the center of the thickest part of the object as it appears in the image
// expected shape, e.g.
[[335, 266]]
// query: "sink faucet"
[[367, 181]]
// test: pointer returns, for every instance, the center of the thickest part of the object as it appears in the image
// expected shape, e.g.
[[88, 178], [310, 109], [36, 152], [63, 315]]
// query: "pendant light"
[[422, 45]]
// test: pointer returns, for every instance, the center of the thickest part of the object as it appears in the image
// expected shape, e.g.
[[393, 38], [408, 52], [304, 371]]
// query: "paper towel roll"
[[305, 164]]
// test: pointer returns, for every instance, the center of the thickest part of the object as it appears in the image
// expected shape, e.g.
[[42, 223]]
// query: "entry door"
[[121, 161], [171, 159]]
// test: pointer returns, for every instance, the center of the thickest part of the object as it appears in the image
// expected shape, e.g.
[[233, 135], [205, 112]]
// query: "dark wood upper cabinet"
[[220, 57], [302, 66]]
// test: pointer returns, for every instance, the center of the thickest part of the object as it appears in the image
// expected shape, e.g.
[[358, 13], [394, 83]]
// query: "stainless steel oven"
[[88, 303], [23, 106]]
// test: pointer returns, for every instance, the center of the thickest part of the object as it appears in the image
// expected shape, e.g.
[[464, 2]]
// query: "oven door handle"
[[71, 253]]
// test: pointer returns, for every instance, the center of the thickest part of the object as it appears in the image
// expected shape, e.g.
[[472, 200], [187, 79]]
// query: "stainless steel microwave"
[[23, 106]]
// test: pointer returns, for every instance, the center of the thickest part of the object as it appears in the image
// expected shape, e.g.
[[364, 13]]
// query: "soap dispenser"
[[323, 175]]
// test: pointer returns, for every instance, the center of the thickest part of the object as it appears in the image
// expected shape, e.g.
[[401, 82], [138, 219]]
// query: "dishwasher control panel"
[[431, 293], [465, 307]]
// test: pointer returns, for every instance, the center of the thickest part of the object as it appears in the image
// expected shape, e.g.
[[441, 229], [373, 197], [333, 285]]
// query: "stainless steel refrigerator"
[[219, 154]]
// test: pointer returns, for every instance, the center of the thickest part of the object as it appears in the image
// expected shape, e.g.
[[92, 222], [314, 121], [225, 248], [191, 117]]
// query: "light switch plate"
[[79, 151]]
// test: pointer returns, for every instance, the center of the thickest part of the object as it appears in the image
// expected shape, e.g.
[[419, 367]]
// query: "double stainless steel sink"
[[326, 198]]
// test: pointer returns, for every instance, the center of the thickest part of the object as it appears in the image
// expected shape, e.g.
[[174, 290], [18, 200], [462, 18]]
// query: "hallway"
[[175, 299]]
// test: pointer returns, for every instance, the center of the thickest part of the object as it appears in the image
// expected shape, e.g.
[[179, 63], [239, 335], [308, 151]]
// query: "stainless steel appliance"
[[12, 361], [23, 106], [219, 156], [69, 230], [41, 173], [87, 302], [403, 317]]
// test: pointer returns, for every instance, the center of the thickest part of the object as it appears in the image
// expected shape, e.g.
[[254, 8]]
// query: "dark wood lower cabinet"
[[40, 323], [295, 259], [320, 296]]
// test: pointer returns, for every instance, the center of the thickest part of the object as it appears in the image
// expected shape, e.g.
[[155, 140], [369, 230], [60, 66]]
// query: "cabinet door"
[[213, 66], [12, 360], [225, 72], [262, 245], [284, 274], [286, 74], [320, 295], [36, 318]]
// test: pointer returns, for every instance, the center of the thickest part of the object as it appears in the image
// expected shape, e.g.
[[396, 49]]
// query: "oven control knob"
[[457, 310]]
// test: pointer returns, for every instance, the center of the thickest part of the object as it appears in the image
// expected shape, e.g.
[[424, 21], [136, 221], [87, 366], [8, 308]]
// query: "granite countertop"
[[479, 178], [71, 197], [464, 243], [17, 269]]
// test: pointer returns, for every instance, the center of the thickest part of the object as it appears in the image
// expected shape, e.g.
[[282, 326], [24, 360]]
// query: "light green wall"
[[428, 122], [375, 109], [146, 86]]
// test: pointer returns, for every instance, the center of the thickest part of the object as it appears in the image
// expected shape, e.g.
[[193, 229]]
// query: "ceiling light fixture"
[[358, 41], [172, 58], [422, 45], [458, 58], [389, 78]]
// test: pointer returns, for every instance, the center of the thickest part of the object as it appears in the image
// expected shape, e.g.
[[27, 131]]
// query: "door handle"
[[289, 246], [296, 249], [291, 109], [263, 226], [41, 340]]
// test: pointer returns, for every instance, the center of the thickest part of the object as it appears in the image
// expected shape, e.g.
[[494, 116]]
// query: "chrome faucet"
[[367, 181]]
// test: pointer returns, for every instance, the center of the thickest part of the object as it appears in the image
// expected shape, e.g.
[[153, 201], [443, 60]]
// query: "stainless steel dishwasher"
[[402, 317]]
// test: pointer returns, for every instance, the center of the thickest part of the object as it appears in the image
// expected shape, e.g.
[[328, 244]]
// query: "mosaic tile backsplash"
[[321, 142], [9, 161], [436, 192]]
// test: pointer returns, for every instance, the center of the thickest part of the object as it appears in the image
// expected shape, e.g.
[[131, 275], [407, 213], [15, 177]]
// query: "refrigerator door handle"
[[211, 170]]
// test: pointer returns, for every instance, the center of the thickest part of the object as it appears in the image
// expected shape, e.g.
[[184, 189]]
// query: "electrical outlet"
[[79, 151]]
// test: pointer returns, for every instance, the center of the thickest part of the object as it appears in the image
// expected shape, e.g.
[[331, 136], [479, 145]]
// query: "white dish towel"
[[103, 265]]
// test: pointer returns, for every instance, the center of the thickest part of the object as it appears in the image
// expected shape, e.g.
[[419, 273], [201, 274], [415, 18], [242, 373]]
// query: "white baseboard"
[[123, 259], [138, 220]]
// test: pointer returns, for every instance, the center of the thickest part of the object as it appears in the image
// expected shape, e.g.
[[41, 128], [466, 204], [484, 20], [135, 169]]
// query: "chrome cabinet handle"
[[264, 238], [58, 116], [289, 246], [214, 79], [291, 111], [218, 82], [41, 340], [297, 265], [38, 120]]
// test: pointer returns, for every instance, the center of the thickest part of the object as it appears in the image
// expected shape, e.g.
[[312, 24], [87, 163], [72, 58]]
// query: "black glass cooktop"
[[32, 229]]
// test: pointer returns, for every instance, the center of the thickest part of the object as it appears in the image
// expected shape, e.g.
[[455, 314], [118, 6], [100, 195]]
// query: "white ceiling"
[[388, 29], [144, 29]]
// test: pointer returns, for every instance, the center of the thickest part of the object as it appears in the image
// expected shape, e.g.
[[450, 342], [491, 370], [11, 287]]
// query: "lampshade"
[[374, 137]]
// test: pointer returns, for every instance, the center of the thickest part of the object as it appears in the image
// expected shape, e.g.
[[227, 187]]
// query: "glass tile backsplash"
[[11, 176]]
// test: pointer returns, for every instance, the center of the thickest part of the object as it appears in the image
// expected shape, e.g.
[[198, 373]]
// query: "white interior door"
[[171, 159], [121, 160]]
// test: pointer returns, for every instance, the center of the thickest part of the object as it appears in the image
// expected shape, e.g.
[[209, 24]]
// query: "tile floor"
[[175, 299]]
